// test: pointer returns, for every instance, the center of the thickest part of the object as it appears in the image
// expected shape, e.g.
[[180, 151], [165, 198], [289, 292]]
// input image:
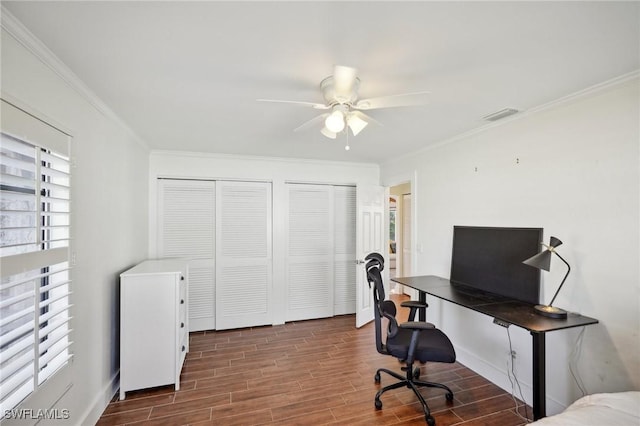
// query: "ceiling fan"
[[344, 109]]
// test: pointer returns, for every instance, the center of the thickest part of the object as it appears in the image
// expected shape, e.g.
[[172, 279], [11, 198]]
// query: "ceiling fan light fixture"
[[344, 109], [356, 124], [328, 133], [335, 121]]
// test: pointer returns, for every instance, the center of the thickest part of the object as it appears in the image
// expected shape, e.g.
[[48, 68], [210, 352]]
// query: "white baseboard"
[[498, 376], [100, 402]]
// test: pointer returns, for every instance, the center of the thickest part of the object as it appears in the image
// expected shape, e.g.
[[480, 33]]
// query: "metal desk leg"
[[539, 373], [422, 313]]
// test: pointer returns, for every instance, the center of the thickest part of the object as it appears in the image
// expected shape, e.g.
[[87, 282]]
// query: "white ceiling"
[[186, 75]]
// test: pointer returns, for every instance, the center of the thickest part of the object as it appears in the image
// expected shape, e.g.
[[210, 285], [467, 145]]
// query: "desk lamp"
[[542, 260]]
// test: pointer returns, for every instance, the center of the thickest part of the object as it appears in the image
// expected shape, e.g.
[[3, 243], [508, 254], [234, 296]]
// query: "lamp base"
[[550, 311]]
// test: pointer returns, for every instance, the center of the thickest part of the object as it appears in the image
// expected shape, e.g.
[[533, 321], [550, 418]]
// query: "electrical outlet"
[[501, 323]]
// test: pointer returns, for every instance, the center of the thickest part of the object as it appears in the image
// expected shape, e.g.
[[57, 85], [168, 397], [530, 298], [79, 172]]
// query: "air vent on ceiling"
[[500, 114]]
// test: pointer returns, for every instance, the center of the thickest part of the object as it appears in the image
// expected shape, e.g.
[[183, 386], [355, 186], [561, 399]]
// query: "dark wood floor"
[[306, 373]]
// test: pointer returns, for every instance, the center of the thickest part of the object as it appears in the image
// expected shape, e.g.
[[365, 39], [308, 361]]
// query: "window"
[[35, 282]]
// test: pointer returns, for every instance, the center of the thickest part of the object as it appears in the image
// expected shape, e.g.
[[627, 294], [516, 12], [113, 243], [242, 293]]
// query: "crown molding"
[[589, 91], [240, 157], [573, 97], [35, 46]]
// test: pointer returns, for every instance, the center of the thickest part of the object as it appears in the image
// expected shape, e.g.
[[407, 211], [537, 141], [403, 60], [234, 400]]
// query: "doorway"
[[400, 226]]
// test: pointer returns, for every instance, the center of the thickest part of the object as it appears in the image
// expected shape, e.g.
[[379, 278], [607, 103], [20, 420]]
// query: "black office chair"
[[409, 342], [414, 305]]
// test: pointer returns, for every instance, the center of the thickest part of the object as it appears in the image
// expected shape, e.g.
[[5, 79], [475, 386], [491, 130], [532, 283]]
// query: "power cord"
[[574, 357], [512, 372]]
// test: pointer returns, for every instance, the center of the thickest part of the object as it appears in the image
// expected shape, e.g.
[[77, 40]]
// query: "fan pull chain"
[[347, 147]]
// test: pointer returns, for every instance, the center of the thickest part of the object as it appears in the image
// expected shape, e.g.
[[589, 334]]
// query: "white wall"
[[278, 171], [109, 210], [573, 169]]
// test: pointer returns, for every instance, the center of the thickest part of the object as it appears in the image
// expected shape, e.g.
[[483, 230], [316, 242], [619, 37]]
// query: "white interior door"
[[310, 252], [243, 255], [370, 237], [344, 275], [187, 229]]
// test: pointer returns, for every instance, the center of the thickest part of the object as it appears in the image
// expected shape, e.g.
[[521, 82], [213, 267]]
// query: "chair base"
[[410, 380]]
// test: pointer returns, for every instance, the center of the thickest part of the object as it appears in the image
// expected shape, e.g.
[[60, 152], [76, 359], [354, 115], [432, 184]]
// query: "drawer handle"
[[181, 278], [183, 348], [181, 325], [182, 301]]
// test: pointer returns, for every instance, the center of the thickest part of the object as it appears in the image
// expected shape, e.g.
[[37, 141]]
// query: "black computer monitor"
[[490, 259]]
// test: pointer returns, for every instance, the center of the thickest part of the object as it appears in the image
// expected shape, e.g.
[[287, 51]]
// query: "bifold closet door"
[[345, 250], [310, 255], [243, 254], [187, 229]]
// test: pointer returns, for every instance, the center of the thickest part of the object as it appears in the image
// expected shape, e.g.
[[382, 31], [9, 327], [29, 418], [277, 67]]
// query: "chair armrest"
[[417, 325], [414, 304]]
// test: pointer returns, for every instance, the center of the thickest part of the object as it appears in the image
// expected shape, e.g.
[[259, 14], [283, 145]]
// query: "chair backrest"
[[382, 308], [373, 256]]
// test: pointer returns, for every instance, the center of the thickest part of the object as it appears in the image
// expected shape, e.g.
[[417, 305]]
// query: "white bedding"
[[600, 409]]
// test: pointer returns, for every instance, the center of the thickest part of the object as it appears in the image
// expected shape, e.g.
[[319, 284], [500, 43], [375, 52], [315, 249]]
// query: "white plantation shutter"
[[345, 250], [186, 229], [35, 286], [243, 254], [309, 267]]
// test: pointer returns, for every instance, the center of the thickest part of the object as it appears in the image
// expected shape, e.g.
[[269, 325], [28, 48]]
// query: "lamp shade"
[[335, 121], [554, 242], [356, 124], [541, 260], [328, 133]]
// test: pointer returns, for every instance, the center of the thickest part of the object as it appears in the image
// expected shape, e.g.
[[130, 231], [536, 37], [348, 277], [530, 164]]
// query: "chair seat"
[[433, 345]]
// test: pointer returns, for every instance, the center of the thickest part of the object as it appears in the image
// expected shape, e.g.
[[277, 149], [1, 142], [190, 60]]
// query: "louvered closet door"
[[243, 255], [186, 228], [310, 256], [345, 250]]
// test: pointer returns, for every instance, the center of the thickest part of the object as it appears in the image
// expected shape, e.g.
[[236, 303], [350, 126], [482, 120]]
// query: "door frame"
[[410, 176]]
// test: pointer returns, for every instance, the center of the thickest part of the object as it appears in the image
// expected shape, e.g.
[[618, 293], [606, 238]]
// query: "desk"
[[507, 310]]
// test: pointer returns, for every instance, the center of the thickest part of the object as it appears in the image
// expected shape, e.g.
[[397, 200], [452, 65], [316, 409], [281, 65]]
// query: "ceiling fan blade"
[[344, 80], [366, 117], [393, 101], [311, 122], [311, 104]]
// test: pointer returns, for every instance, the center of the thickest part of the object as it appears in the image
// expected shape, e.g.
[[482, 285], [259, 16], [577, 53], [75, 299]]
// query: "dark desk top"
[[513, 311]]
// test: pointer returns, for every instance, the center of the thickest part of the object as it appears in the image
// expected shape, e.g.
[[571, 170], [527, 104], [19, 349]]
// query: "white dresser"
[[154, 337]]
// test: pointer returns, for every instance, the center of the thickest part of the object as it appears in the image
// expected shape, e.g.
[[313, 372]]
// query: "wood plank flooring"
[[306, 373]]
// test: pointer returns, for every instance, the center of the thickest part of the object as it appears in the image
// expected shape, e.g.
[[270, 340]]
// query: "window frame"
[[52, 356]]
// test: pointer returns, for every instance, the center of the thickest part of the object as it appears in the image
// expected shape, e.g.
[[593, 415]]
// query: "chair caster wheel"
[[430, 421], [449, 396], [378, 404], [416, 373], [377, 377]]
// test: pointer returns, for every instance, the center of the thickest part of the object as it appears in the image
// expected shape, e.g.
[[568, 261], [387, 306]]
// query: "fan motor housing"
[[331, 97]]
